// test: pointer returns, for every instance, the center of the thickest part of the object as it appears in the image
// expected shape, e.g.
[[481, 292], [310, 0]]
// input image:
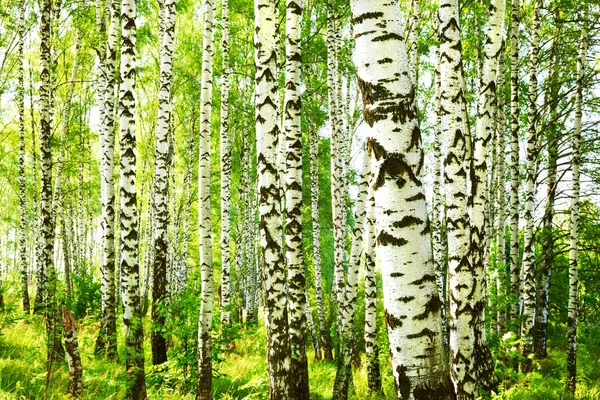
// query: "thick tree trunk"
[[316, 229], [206, 273], [348, 308], [574, 226], [130, 270], [225, 170], [271, 255], [161, 186], [293, 203], [411, 298], [514, 269], [529, 289], [22, 178]]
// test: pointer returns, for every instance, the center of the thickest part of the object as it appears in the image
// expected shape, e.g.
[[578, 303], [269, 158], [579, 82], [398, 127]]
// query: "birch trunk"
[[22, 178], [371, 346], [500, 198], [463, 283], [293, 203], [547, 237], [55, 349], [161, 186], [348, 308], [413, 42], [225, 170], [107, 336], [130, 270], [251, 315], [574, 226], [529, 289], [482, 362], [337, 211], [206, 273], [437, 210], [316, 229], [514, 170], [271, 255], [411, 299]]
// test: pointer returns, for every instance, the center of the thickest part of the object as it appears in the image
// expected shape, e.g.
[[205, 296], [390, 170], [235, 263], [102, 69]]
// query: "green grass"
[[241, 373]]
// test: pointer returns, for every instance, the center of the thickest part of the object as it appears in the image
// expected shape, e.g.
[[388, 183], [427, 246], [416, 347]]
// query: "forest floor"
[[241, 373]]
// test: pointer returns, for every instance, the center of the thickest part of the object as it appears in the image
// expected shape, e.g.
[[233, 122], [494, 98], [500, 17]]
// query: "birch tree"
[[206, 273], [130, 270], [22, 178], [225, 168], [293, 203], [266, 27], [316, 229], [371, 346], [500, 220], [337, 211], [348, 308], [162, 162], [411, 299], [107, 335], [483, 363], [529, 289], [54, 346], [574, 223], [463, 283], [514, 167], [547, 236]]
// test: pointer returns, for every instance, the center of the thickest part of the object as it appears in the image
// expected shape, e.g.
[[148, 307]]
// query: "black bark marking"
[[392, 321], [384, 239], [432, 306]]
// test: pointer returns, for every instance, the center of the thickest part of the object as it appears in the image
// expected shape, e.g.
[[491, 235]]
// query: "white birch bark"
[[293, 203], [348, 308], [107, 337], [437, 204], [206, 273], [316, 228], [514, 169], [371, 346], [547, 236], [337, 211], [529, 285], [482, 362], [574, 225], [22, 178], [225, 153], [266, 27], [55, 349], [130, 274], [500, 220], [162, 161], [411, 299]]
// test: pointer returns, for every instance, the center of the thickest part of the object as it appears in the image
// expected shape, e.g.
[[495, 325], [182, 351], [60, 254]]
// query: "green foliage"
[[87, 296]]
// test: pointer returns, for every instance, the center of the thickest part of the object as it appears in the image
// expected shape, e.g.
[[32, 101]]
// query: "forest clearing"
[[300, 199]]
